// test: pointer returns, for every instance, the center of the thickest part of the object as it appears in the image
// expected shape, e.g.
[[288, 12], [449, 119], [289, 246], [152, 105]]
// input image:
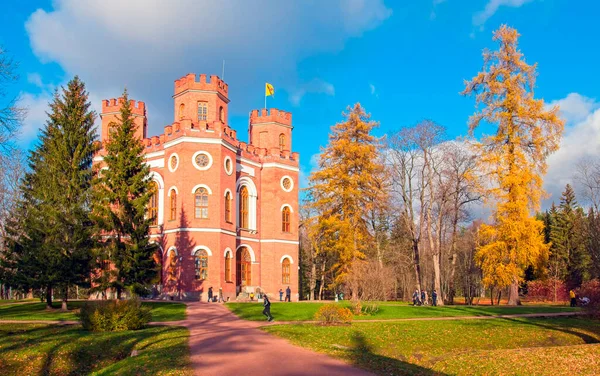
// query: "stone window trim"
[[173, 203], [228, 255], [252, 203], [282, 183], [199, 252], [198, 167], [173, 169], [157, 178], [286, 218], [229, 170], [228, 201]]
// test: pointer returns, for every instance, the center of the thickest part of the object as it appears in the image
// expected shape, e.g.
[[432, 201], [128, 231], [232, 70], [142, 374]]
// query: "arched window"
[[201, 203], [222, 114], [181, 111], [173, 212], [112, 129], [281, 142], [153, 204], [228, 207], [201, 261], [228, 267], [244, 207], [285, 271], [202, 111], [285, 219], [244, 267]]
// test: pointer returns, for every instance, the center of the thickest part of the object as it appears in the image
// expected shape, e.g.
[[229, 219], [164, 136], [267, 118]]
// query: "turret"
[[271, 130], [200, 100], [111, 108]]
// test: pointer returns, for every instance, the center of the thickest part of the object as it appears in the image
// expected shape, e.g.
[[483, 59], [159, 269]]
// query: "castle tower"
[[271, 130], [200, 102], [110, 111]]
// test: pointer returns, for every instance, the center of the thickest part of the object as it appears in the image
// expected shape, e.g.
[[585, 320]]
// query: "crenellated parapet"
[[192, 81], [271, 116], [113, 105]]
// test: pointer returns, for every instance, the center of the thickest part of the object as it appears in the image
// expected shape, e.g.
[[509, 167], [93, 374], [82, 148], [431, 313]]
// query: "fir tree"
[[122, 194], [345, 188], [569, 257], [52, 235]]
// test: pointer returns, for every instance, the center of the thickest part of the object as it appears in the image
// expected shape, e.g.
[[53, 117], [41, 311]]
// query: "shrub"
[[329, 314], [356, 307], [547, 290], [370, 309], [591, 290], [114, 315]]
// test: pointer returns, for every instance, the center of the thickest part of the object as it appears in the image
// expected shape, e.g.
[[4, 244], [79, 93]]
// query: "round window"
[[287, 183], [173, 162], [202, 160], [228, 166]]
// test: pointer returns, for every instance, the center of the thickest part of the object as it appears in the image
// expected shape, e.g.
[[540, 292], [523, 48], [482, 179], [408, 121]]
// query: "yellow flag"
[[269, 90]]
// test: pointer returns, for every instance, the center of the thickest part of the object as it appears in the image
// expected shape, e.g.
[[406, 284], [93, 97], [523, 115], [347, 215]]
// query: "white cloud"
[[36, 79], [575, 107], [492, 7], [581, 139], [313, 166], [372, 88], [145, 45], [316, 86], [37, 106]]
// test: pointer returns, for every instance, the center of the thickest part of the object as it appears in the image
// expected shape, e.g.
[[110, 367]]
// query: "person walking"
[[220, 295], [267, 308], [434, 298], [573, 298], [423, 297], [210, 294], [288, 294], [280, 295], [415, 297], [426, 298]]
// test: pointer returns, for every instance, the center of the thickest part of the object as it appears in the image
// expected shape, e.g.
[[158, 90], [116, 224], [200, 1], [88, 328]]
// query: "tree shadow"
[[562, 326], [363, 356], [184, 245]]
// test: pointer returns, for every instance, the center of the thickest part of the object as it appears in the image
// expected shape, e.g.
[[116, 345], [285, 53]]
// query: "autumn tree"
[[11, 114], [347, 185], [514, 159]]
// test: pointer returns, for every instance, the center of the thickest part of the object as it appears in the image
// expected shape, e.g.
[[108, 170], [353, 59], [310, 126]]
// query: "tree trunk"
[[513, 296], [65, 299], [49, 297], [321, 287], [417, 264], [118, 292], [313, 280], [499, 296], [492, 295]]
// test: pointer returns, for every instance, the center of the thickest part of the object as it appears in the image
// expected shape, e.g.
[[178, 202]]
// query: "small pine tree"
[[122, 193]]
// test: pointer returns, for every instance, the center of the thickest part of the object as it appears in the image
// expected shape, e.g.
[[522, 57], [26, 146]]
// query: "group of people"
[[575, 298], [212, 298], [422, 298]]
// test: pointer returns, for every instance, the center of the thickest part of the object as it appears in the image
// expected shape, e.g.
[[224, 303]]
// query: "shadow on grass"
[[73, 351], [564, 327], [362, 356]]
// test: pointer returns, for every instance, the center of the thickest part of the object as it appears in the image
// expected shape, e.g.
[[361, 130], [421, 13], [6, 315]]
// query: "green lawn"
[[387, 310], [27, 349], [501, 346], [37, 311], [12, 301]]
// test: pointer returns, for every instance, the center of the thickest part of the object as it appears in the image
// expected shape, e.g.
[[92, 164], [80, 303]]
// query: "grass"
[[12, 301], [501, 346], [37, 311], [387, 310], [27, 349]]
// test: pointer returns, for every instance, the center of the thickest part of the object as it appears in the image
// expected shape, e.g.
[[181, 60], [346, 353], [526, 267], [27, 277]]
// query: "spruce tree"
[[569, 253], [123, 191], [52, 235]]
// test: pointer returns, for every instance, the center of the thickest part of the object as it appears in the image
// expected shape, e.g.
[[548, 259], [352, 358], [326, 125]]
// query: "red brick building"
[[226, 211]]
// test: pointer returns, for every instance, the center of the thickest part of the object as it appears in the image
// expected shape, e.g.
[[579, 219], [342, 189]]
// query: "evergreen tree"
[[345, 188], [52, 235], [569, 259], [123, 191], [593, 243]]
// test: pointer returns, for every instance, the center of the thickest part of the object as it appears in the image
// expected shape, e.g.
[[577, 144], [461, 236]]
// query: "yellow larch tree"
[[514, 158], [346, 186]]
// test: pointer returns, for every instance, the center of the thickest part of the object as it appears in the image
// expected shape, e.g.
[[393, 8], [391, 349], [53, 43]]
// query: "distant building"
[[226, 211]]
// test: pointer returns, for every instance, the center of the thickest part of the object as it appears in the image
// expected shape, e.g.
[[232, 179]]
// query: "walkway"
[[222, 344]]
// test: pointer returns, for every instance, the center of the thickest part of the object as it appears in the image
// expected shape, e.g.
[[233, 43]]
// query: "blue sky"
[[402, 60]]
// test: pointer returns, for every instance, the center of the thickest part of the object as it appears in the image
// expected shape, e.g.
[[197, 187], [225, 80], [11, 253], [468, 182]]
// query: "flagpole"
[[265, 100]]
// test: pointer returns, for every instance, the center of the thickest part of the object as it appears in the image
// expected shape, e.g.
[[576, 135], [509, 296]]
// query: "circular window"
[[228, 165], [202, 160], [287, 183], [173, 162]]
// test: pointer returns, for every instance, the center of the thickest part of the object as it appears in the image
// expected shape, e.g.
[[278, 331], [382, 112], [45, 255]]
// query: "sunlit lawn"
[[555, 346], [387, 310], [27, 349], [37, 311]]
